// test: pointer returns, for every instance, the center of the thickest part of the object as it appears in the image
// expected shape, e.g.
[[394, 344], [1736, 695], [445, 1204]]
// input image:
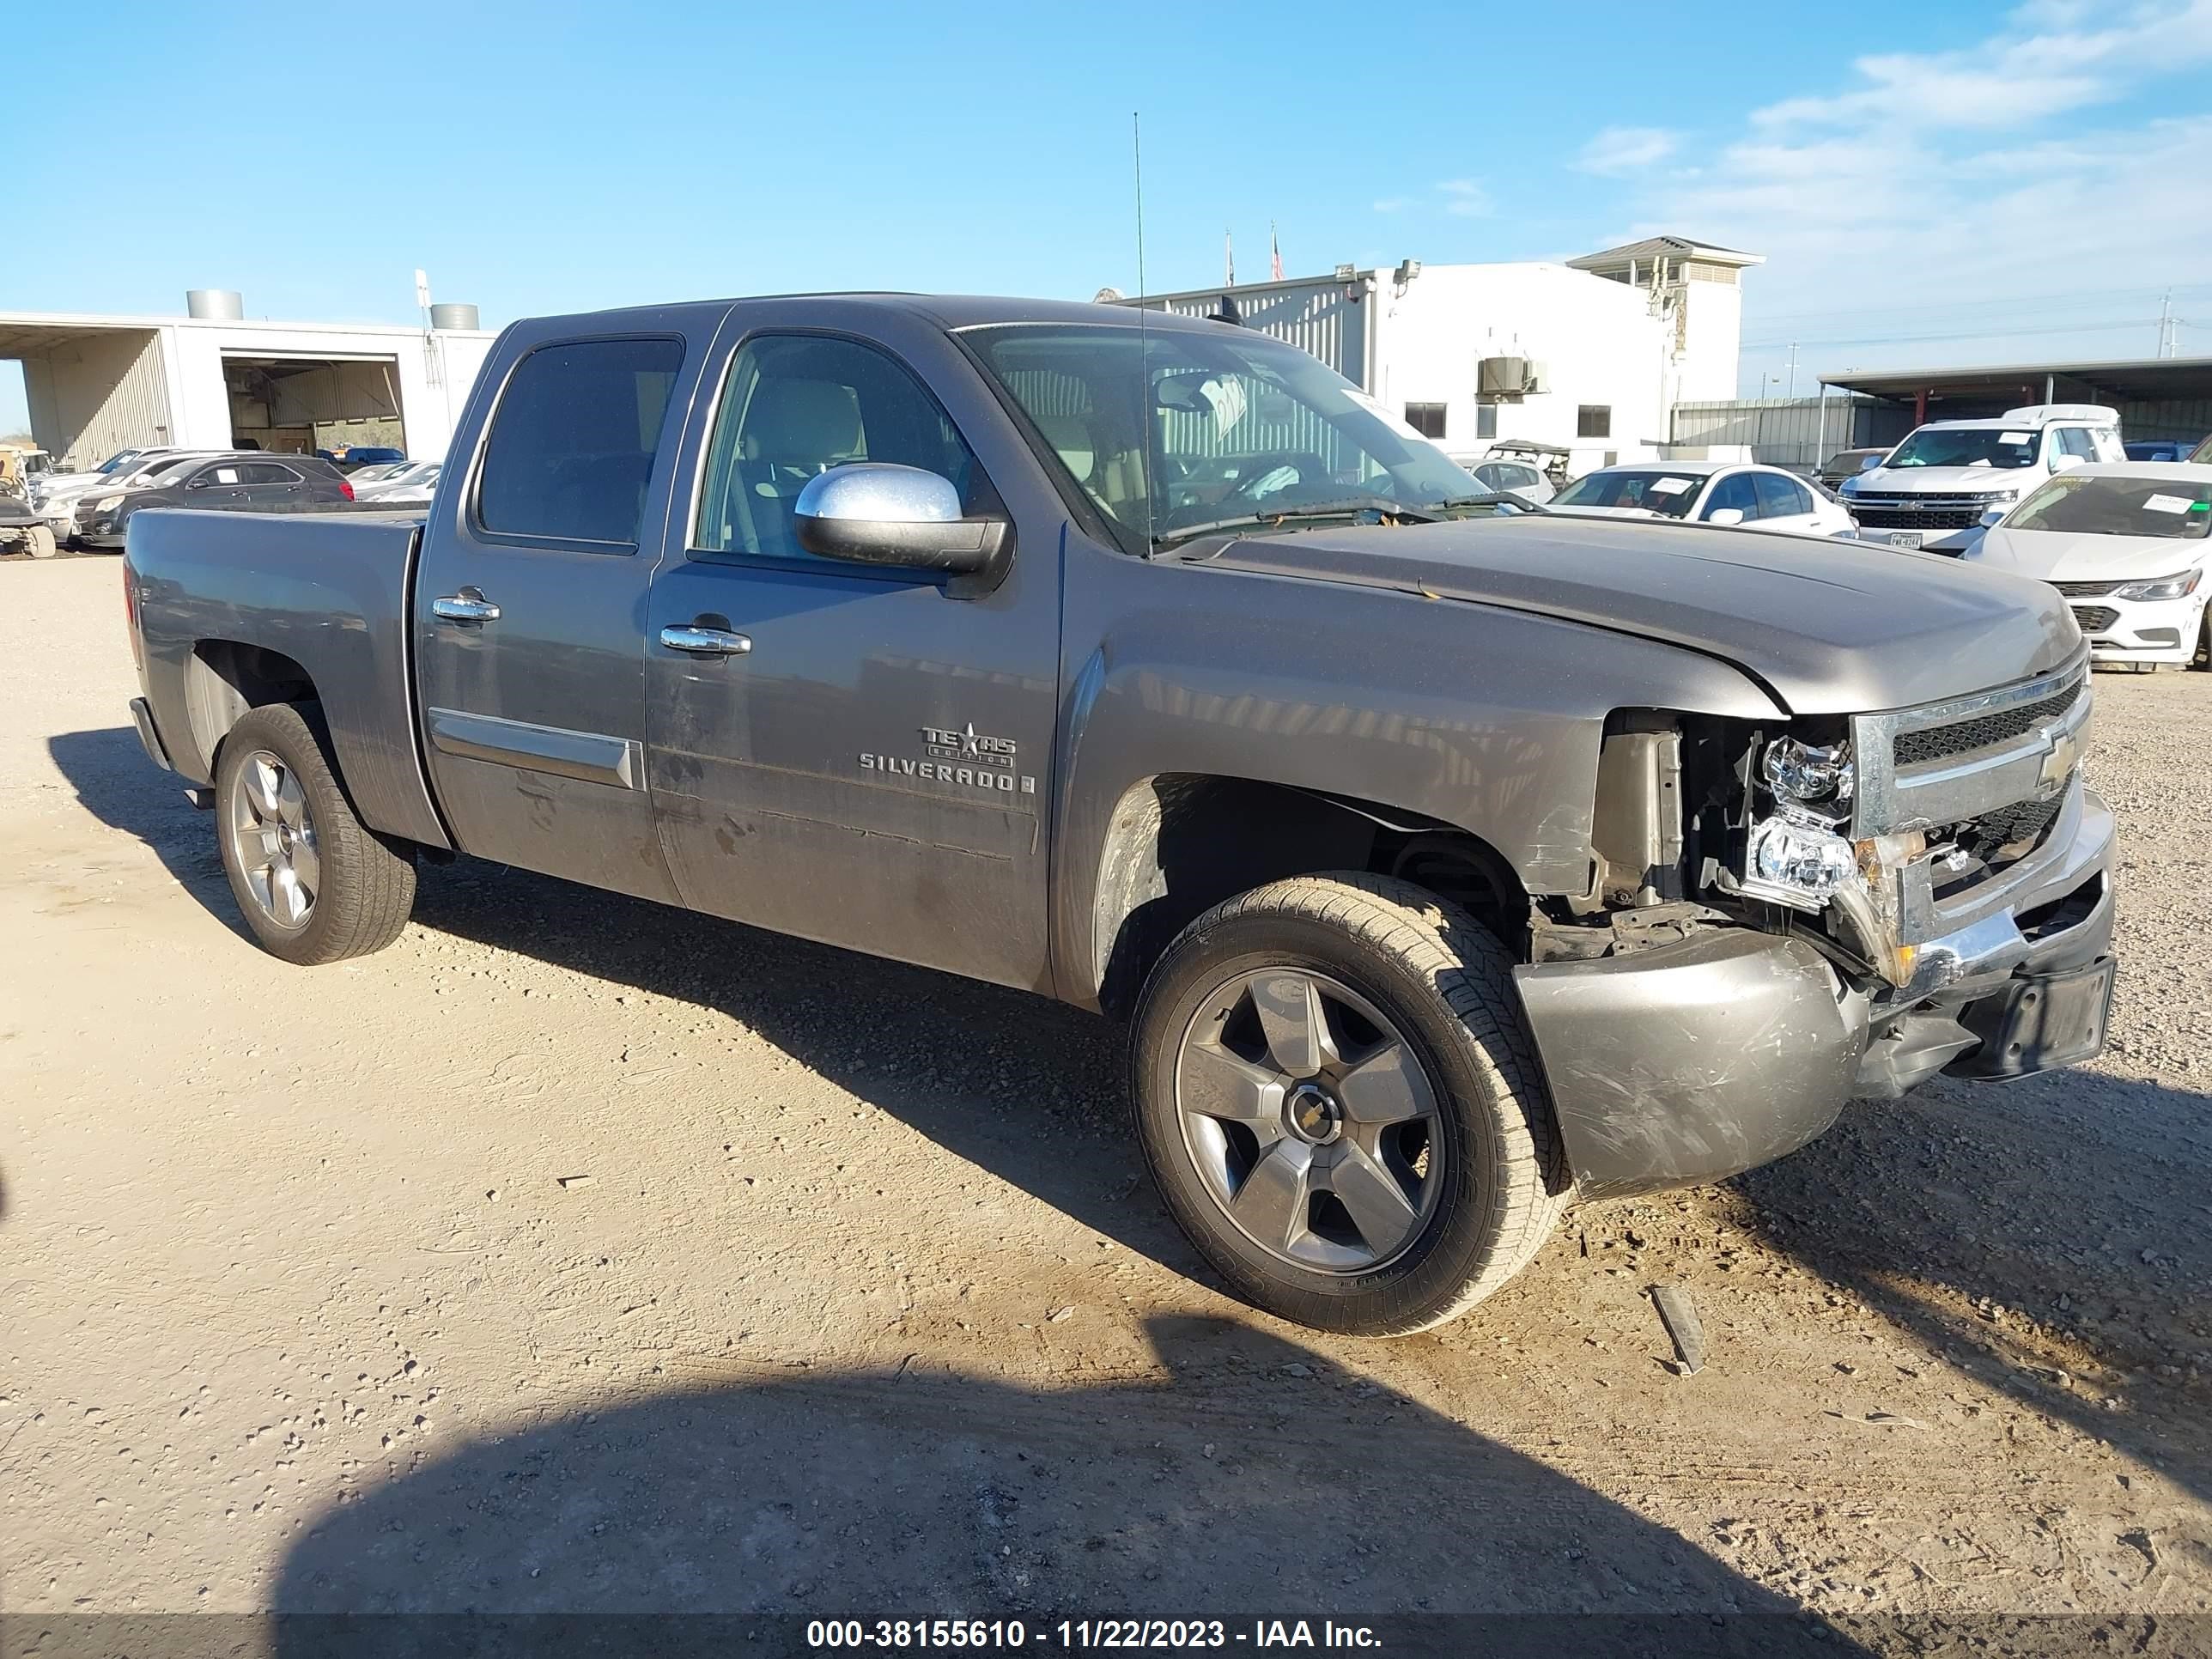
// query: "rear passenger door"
[[530, 611], [1784, 503], [269, 483]]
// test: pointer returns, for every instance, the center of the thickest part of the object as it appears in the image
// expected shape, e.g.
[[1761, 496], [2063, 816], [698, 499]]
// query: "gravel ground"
[[578, 1254]]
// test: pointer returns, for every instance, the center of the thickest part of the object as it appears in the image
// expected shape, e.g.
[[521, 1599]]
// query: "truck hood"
[[2058, 556], [1827, 626], [1947, 480]]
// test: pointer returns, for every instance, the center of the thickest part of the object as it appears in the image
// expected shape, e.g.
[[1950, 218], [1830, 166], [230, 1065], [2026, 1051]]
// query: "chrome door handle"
[[467, 605], [705, 641]]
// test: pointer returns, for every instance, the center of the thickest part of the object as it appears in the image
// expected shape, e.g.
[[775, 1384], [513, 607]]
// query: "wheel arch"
[[1178, 843]]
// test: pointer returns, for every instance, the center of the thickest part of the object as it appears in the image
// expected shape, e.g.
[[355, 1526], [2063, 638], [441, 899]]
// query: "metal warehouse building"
[[213, 379], [1592, 353]]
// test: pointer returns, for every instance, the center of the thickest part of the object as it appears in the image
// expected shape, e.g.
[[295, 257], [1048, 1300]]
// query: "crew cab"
[[1934, 490], [1450, 862]]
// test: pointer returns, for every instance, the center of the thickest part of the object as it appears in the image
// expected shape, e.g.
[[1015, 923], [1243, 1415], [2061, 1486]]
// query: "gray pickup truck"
[[1450, 863]]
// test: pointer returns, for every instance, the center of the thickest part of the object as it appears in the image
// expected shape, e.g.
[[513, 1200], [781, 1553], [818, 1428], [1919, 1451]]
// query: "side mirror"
[[196, 483], [1993, 518], [874, 513], [1725, 515]]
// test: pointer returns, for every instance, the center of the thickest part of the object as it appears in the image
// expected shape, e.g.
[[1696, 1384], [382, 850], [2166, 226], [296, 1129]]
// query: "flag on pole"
[[1275, 248], [1229, 260]]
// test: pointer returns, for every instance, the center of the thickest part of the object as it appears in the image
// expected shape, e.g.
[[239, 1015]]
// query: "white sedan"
[[2126, 544], [1705, 492]]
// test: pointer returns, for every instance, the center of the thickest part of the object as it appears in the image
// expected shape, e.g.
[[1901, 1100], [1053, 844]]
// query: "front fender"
[[1472, 715]]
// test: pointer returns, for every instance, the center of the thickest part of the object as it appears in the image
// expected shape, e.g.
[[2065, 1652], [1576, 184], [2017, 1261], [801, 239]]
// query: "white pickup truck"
[[1935, 489]]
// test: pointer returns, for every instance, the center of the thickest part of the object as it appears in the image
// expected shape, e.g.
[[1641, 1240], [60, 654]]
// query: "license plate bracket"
[[2040, 1022]]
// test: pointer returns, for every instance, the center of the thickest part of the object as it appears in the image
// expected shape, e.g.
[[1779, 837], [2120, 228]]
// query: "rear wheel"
[[1336, 1094], [315, 883]]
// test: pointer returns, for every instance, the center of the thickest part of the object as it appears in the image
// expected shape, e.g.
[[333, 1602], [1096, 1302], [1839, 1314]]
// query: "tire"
[[39, 543], [358, 886], [1388, 963]]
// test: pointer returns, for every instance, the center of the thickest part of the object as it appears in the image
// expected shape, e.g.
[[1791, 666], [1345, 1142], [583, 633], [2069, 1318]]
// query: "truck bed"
[[225, 599]]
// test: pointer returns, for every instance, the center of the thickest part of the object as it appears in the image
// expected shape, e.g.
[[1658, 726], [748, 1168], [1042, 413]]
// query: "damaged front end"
[[1782, 917]]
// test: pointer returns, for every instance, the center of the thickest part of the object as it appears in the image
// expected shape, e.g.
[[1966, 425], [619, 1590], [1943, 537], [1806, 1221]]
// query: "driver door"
[[860, 755]]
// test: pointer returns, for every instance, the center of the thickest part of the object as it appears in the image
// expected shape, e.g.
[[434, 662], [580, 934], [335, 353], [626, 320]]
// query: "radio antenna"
[[1144, 362]]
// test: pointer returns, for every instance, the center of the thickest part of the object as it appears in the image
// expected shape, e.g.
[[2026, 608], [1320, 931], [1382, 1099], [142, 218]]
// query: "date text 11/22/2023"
[[1086, 1633]]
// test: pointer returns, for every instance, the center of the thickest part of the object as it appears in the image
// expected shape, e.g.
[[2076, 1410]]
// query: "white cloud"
[[2049, 58], [1900, 227], [1617, 150], [1465, 197]]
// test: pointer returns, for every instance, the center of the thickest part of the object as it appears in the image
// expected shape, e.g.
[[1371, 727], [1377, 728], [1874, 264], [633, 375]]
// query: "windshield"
[[118, 461], [1970, 445], [1656, 491], [2170, 510], [1212, 429]]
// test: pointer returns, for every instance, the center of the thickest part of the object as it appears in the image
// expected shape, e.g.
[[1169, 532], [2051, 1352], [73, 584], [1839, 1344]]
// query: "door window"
[[266, 472], [571, 447], [2074, 440], [794, 406], [222, 476], [1780, 497], [1737, 491]]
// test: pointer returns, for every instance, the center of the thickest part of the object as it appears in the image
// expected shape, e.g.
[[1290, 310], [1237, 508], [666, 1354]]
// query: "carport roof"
[[2143, 379], [22, 331]]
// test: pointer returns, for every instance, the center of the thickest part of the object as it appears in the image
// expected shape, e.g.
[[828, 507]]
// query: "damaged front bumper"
[[1686, 1062]]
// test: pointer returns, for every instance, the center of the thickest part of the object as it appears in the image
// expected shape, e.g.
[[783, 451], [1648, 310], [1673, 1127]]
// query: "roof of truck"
[[957, 311]]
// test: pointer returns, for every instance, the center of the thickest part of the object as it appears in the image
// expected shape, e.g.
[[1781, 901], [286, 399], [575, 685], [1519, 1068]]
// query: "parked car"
[[1846, 463], [369, 475], [1516, 478], [1755, 496], [1452, 862], [353, 457], [245, 480], [409, 482], [1934, 489], [2127, 546], [55, 495], [2160, 449]]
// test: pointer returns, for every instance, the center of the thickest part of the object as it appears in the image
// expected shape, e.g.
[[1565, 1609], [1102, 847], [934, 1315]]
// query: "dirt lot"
[[578, 1255]]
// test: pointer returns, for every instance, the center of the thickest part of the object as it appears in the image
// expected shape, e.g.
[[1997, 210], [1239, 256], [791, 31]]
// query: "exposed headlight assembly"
[[2161, 587], [1800, 865]]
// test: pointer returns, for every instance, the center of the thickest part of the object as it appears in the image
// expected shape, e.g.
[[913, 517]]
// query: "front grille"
[[2085, 590], [1964, 737], [2095, 618], [1917, 517], [2023, 821]]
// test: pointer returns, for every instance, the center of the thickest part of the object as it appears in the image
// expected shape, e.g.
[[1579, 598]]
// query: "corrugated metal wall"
[[1789, 431], [2171, 417], [92, 397], [1321, 318]]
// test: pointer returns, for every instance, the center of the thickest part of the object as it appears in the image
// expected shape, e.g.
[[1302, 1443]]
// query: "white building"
[[1591, 354], [212, 379]]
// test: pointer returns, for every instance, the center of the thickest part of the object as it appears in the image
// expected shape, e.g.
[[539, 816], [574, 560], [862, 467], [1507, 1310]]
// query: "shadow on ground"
[[117, 784], [1257, 1480]]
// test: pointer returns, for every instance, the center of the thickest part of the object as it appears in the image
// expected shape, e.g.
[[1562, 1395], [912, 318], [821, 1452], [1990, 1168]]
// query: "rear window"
[[1670, 493], [2073, 505], [571, 446]]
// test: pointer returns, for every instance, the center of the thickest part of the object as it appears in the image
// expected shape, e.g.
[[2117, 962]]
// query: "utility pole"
[[2165, 325], [1793, 369]]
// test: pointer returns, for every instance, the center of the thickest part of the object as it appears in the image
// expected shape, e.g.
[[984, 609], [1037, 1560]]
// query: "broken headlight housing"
[[1795, 856]]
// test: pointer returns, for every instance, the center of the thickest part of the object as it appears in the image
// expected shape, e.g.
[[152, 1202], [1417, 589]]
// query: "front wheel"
[[314, 882], [39, 543], [1338, 1098], [2202, 661]]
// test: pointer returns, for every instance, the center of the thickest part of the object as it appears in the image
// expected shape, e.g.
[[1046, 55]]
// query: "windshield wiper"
[[1382, 506]]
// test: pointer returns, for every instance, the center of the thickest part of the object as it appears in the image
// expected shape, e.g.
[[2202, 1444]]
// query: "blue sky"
[[1930, 183]]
